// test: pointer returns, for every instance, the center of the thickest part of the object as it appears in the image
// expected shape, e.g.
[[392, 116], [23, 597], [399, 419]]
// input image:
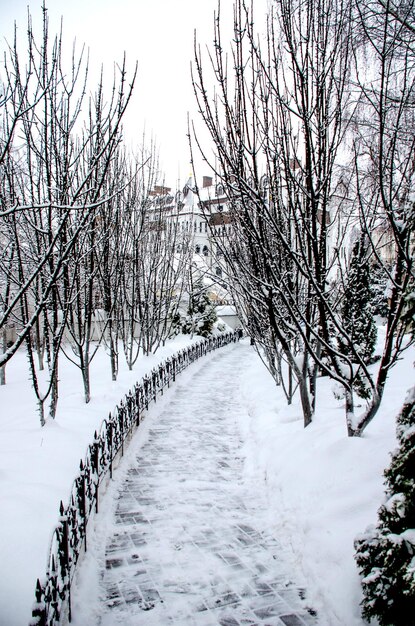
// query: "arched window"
[[264, 183], [205, 251], [218, 271], [197, 249]]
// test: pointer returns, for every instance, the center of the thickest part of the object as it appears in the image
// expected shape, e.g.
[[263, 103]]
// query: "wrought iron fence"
[[53, 593]]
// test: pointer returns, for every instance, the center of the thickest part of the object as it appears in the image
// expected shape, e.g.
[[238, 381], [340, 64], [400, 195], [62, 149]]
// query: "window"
[[218, 271], [97, 299], [205, 251], [197, 249]]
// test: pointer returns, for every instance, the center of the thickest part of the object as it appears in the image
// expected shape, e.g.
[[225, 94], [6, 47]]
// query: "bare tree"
[[384, 156], [285, 118], [57, 178], [102, 165], [277, 126]]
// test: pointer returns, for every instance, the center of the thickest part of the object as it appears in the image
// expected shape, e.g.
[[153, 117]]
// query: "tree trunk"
[[290, 385], [53, 406], [313, 377], [349, 406], [3, 368], [369, 414], [113, 351], [87, 384], [40, 345], [305, 401], [40, 399]]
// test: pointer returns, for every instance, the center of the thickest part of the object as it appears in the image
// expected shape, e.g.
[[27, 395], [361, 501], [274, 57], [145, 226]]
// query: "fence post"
[[81, 500], [63, 552], [154, 384], [71, 530], [109, 442], [168, 369], [129, 401], [161, 377], [39, 608], [146, 391], [121, 424], [94, 450], [53, 591], [137, 407]]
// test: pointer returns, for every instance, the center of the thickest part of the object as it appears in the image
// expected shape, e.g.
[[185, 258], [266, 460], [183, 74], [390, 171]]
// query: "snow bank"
[[324, 488], [38, 465]]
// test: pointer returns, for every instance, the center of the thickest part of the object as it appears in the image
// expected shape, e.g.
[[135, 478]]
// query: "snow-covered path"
[[189, 539]]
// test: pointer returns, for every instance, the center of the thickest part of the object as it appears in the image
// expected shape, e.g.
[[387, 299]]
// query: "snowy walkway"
[[191, 542]]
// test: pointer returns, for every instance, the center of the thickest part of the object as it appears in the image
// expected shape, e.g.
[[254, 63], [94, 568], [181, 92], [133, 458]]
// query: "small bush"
[[385, 554]]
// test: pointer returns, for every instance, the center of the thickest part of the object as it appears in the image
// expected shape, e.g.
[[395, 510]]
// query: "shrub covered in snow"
[[201, 314], [385, 554]]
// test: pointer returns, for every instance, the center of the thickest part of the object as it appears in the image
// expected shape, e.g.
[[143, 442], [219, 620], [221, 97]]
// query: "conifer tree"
[[409, 315], [201, 314], [357, 313], [379, 281], [385, 555]]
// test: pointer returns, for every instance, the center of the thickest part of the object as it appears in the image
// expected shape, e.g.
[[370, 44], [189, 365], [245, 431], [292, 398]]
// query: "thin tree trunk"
[[313, 377], [54, 395], [349, 406], [40, 399], [305, 401], [40, 345], [369, 414], [87, 384], [3, 368]]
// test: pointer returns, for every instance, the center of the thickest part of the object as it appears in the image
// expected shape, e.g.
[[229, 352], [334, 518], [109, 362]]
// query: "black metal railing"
[[53, 593]]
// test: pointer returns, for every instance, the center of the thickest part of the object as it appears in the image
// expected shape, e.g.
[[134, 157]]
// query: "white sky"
[[156, 33]]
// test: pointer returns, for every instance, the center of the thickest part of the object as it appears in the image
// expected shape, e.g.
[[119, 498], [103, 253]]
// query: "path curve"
[[190, 542]]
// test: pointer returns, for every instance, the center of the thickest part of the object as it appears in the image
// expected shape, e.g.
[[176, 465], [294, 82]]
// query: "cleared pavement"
[[190, 540]]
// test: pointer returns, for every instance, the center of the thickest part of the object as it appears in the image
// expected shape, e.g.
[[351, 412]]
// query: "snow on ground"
[[180, 538], [323, 487], [38, 465]]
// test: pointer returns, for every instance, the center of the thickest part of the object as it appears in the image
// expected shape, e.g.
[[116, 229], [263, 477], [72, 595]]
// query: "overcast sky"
[[156, 33]]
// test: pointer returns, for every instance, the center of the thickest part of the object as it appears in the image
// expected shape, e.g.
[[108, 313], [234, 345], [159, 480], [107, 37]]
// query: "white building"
[[201, 216]]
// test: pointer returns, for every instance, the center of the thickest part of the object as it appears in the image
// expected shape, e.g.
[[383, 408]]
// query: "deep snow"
[[323, 488]]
